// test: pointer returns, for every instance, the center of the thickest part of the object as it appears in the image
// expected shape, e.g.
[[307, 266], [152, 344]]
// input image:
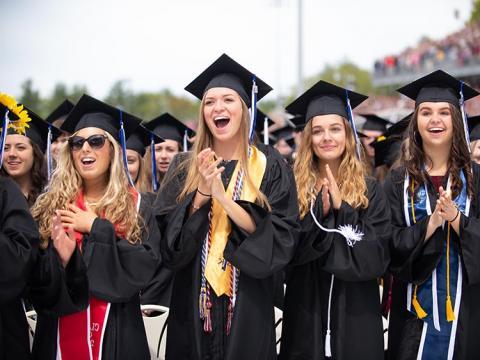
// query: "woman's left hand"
[[218, 190], [80, 220], [448, 209], [333, 189]]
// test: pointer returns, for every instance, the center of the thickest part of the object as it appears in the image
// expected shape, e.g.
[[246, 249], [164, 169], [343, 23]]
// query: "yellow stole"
[[217, 271]]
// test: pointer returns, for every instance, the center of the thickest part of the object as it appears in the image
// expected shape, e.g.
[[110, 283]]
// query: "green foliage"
[[475, 15]]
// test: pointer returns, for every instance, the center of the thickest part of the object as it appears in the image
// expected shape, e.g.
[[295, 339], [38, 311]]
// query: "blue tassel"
[[123, 144], [185, 141], [154, 164], [49, 153], [253, 109], [464, 117], [352, 123], [5, 122]]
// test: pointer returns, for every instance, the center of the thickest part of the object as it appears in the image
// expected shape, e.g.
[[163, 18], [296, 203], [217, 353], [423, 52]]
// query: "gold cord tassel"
[[416, 304], [449, 308]]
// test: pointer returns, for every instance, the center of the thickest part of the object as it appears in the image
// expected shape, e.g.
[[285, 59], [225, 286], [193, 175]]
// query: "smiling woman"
[[92, 218], [433, 196], [227, 213]]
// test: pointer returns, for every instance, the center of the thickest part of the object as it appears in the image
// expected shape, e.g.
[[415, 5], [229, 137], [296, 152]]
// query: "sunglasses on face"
[[96, 142]]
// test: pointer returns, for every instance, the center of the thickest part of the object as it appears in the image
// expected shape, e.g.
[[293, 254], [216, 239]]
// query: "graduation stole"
[[80, 335], [433, 300], [217, 273]]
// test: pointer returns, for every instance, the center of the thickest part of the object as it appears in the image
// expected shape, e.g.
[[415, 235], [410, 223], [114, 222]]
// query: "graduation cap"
[[60, 111], [440, 86], [262, 123], [375, 122], [324, 98], [388, 146], [168, 127], [12, 116], [38, 131], [285, 133], [474, 128], [140, 139], [90, 112], [226, 72]]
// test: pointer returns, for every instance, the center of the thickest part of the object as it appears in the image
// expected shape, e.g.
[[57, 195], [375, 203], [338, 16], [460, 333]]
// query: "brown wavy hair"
[[203, 140], [38, 174], [117, 204], [414, 158], [352, 185]]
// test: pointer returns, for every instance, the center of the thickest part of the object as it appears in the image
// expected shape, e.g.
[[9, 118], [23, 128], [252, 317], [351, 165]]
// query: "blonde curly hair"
[[352, 185], [116, 205]]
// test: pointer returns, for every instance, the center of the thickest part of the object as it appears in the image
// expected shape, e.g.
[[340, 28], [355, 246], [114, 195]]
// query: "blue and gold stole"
[[437, 300]]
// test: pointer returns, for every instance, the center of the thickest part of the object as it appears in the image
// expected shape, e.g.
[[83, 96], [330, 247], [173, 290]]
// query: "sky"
[[158, 44]]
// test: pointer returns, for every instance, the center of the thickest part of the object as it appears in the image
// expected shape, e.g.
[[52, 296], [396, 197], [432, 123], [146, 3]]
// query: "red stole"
[[80, 335]]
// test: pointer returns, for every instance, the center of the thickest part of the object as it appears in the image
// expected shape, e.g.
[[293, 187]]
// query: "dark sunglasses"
[[96, 142]]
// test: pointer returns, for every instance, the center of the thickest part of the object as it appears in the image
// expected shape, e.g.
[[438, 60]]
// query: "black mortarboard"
[[375, 122], [323, 98], [387, 150], [437, 86], [90, 112], [37, 130], [60, 111], [140, 139], [168, 127], [286, 133], [388, 146], [226, 72], [474, 127], [260, 124]]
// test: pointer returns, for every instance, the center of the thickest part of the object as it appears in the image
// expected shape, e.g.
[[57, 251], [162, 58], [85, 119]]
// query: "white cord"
[[352, 235]]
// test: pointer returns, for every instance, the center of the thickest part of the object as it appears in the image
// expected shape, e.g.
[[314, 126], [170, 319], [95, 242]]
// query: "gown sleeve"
[[412, 258], [57, 290], [182, 235], [18, 241], [272, 245], [117, 269], [469, 234], [368, 258]]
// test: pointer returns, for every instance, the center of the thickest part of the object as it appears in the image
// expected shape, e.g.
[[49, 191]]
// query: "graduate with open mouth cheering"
[[228, 217], [99, 244]]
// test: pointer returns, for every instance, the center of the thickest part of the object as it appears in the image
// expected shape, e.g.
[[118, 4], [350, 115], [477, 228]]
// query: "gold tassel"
[[449, 310], [450, 313], [418, 308]]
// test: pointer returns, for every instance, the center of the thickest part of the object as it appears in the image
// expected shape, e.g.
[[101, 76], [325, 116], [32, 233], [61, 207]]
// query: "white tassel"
[[352, 235], [328, 347]]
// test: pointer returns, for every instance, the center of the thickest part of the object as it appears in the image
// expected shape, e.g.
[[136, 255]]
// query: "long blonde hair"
[[116, 205], [141, 184], [203, 140], [352, 186]]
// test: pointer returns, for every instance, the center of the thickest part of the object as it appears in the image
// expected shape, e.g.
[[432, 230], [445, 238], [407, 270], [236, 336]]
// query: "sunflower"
[[21, 124]]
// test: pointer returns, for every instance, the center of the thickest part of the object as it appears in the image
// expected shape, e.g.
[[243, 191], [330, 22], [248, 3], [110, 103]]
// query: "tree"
[[30, 96], [475, 15]]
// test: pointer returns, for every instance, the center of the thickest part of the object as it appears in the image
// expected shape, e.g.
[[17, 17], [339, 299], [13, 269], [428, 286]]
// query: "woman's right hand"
[[63, 241], [207, 166]]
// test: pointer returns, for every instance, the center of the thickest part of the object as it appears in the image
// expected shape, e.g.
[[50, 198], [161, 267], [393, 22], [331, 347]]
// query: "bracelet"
[[206, 195], [455, 218]]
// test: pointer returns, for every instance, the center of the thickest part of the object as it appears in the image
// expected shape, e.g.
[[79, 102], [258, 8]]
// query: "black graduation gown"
[[356, 320], [413, 261], [110, 269], [159, 289], [18, 248], [258, 256]]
